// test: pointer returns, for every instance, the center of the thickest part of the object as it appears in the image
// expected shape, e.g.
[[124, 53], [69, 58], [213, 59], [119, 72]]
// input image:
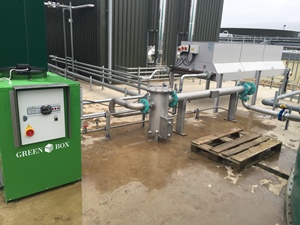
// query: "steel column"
[[219, 79], [181, 117]]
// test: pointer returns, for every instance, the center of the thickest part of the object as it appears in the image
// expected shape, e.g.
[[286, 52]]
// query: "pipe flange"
[[282, 115], [249, 89], [252, 88], [174, 102], [146, 109]]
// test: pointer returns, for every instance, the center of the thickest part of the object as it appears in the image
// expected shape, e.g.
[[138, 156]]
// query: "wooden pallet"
[[241, 149]]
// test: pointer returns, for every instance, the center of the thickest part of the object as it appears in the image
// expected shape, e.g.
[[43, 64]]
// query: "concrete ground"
[[131, 180]]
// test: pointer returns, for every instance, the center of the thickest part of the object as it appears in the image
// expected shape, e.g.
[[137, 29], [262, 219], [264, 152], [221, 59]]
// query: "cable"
[[17, 70]]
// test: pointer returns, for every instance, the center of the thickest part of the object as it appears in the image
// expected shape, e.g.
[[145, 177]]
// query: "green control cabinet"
[[40, 143]]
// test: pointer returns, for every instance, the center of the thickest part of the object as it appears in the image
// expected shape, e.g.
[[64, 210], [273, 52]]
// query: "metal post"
[[232, 106], [71, 35], [275, 100], [285, 81], [293, 89], [295, 74], [91, 83], [65, 39], [197, 117], [217, 99], [171, 80], [139, 84], [143, 119], [180, 117], [207, 85], [103, 78], [175, 87], [107, 127], [288, 121], [257, 80], [271, 83]]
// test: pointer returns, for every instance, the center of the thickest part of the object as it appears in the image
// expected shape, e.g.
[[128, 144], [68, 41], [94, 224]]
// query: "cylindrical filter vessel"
[[296, 191], [159, 101]]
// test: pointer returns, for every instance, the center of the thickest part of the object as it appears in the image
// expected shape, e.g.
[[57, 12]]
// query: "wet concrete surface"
[[131, 180]]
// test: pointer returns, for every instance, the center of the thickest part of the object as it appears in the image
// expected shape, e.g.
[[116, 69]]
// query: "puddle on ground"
[[275, 188]]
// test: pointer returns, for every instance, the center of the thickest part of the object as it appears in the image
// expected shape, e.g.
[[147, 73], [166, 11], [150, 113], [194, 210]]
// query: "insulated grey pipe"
[[71, 35], [205, 75], [270, 101], [124, 103], [208, 93], [122, 90], [270, 112]]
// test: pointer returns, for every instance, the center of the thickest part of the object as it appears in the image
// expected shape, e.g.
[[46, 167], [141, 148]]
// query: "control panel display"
[[41, 114]]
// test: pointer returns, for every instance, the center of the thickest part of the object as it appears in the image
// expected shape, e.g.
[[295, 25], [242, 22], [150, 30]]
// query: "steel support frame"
[[219, 80]]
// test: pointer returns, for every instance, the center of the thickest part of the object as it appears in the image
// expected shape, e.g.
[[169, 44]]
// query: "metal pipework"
[[155, 72], [58, 5], [209, 93], [285, 116], [70, 8], [122, 90], [270, 101], [205, 75], [56, 59], [126, 104], [110, 25], [100, 72]]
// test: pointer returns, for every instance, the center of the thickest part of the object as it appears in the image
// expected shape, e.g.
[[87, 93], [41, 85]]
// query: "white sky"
[[271, 14]]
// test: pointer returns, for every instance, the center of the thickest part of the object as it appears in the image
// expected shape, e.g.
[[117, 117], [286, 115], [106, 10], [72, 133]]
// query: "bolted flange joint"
[[146, 108], [174, 102]]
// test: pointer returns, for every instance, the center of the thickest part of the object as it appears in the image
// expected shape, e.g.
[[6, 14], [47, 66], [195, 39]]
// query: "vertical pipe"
[[71, 35], [110, 10], [65, 39]]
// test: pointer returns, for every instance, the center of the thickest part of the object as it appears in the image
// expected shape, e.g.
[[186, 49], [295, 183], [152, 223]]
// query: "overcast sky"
[[272, 14]]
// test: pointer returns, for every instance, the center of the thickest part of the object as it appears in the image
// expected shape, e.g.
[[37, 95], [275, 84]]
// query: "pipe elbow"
[[111, 106]]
